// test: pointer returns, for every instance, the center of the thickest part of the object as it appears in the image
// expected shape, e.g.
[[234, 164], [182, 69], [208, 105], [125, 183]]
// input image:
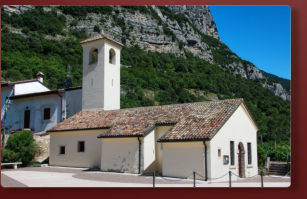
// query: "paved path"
[[61, 177], [10, 182]]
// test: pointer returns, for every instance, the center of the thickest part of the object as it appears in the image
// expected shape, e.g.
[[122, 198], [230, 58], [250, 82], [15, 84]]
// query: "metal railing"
[[195, 174]]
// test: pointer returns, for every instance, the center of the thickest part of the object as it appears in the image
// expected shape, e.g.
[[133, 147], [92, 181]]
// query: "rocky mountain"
[[168, 29]]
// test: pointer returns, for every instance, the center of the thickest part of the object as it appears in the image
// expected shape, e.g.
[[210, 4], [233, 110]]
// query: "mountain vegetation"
[[40, 40]]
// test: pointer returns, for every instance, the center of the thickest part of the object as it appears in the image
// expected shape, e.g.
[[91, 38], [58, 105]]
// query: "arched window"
[[112, 56], [93, 56]]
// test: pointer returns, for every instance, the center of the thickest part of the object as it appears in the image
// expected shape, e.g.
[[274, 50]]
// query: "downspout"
[[62, 109], [61, 114], [206, 162], [139, 155]]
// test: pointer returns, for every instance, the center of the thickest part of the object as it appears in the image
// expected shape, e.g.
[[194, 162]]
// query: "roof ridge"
[[169, 105], [20, 81]]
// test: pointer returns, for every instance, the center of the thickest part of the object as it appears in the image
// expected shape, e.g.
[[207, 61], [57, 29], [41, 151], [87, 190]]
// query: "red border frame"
[[298, 117]]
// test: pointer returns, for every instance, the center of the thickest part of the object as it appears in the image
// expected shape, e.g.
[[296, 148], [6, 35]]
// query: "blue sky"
[[259, 34]]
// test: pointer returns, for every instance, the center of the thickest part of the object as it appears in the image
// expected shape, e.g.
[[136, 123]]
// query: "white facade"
[[36, 105], [120, 154], [90, 158], [180, 159], [34, 97], [101, 78], [240, 128], [149, 149]]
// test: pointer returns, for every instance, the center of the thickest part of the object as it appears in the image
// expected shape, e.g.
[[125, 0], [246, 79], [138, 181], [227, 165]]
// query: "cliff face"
[[170, 29], [200, 16]]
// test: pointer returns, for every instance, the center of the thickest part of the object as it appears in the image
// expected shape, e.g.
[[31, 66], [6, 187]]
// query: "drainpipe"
[[61, 93], [206, 163], [139, 155]]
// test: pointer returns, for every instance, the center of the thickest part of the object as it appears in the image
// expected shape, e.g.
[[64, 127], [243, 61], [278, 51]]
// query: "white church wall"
[[149, 149], [120, 154], [239, 128], [29, 87], [36, 105], [93, 81], [160, 131], [90, 158], [180, 159], [101, 80], [112, 79]]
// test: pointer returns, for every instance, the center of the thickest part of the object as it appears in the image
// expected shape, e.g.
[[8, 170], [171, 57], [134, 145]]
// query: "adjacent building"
[[31, 105]]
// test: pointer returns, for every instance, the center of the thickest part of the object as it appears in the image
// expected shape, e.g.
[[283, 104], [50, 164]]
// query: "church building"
[[210, 138]]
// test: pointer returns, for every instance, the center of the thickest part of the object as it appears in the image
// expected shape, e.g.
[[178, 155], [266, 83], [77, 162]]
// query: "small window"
[[219, 152], [81, 146], [62, 150], [232, 153], [93, 56], [249, 152], [46, 113], [112, 56]]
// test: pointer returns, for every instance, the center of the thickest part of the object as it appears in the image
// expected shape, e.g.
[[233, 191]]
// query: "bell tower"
[[101, 73]]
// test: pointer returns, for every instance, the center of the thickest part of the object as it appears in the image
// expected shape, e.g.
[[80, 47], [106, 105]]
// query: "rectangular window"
[[62, 150], [81, 146], [46, 113], [232, 153], [249, 152], [219, 152]]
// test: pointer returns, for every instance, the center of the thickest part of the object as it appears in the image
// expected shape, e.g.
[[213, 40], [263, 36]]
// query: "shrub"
[[9, 156], [21, 146]]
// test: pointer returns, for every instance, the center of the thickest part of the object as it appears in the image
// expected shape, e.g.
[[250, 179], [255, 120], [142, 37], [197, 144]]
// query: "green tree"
[[21, 146]]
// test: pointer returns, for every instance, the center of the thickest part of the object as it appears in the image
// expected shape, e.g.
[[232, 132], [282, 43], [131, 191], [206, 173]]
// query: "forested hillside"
[[47, 39]]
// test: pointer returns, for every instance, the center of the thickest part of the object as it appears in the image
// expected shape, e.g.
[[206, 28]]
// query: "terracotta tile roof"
[[193, 121], [101, 35]]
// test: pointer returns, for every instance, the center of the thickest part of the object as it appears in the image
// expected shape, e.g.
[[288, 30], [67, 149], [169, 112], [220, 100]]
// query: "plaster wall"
[[93, 81], [180, 159], [90, 158], [120, 154], [112, 79], [239, 128], [149, 149], [36, 105], [160, 131], [101, 80], [73, 101]]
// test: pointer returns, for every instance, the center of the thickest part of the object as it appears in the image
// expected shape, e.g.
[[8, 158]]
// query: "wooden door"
[[26, 124], [240, 163]]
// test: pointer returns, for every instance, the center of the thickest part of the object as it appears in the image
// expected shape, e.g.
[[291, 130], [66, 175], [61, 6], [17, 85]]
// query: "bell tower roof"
[[100, 36]]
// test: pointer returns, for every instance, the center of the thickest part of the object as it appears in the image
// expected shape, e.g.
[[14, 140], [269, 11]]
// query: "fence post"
[[229, 178], [153, 179], [261, 173], [194, 176]]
